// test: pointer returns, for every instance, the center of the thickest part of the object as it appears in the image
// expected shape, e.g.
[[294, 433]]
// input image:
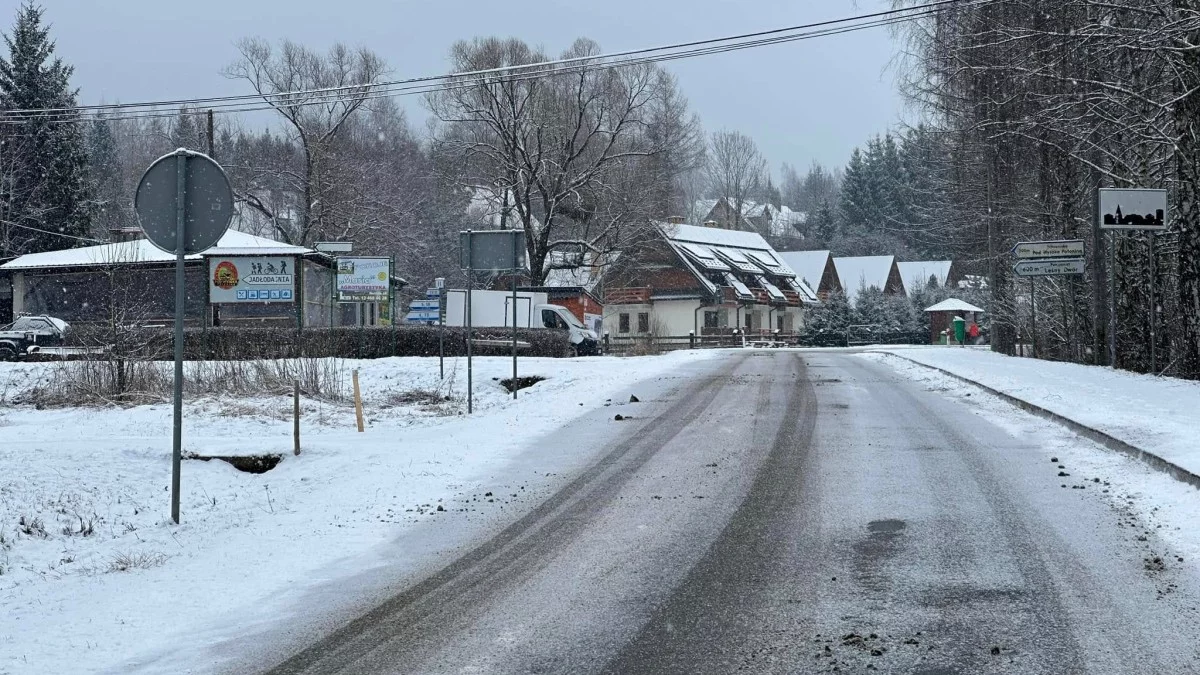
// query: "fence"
[[856, 335]]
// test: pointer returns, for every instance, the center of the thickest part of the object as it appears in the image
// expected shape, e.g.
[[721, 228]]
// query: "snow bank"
[[92, 572], [1160, 415]]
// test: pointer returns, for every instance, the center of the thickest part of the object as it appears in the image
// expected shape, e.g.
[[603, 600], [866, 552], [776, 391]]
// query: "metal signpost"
[[440, 284], [1131, 209], [184, 204], [1046, 259], [494, 251]]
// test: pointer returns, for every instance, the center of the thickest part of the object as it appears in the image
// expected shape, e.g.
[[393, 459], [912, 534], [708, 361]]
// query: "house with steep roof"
[[919, 274], [757, 217], [816, 269], [706, 281], [873, 271]]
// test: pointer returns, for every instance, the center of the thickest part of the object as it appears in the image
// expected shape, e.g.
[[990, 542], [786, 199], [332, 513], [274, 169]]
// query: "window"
[[623, 323], [779, 323], [550, 319], [749, 320], [643, 322], [712, 319]]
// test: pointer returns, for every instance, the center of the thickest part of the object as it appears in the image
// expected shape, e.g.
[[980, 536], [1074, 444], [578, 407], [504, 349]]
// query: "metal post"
[[1112, 299], [1153, 306], [442, 333], [470, 289], [1033, 317], [514, 318], [212, 152], [180, 302], [392, 300]]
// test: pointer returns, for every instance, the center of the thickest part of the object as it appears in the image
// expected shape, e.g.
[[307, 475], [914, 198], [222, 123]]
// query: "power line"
[[9, 223], [423, 85]]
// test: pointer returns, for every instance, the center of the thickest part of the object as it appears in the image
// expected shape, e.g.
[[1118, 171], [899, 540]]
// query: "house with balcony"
[[703, 281]]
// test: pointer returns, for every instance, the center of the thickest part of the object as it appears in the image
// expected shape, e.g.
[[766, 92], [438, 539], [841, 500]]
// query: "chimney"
[[675, 220]]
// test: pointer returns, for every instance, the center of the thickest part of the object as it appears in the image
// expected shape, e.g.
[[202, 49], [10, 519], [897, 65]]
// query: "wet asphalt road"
[[796, 513]]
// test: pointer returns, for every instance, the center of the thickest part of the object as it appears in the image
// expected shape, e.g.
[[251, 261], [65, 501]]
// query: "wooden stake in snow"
[[358, 415], [296, 417]]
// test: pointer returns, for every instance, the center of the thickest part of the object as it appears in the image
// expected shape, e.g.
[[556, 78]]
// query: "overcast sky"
[[804, 101]]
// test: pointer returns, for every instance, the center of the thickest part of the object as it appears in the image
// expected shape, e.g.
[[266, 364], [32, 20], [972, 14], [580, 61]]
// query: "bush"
[[240, 343]]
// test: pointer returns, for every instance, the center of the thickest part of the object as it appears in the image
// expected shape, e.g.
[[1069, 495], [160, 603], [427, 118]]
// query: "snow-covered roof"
[[869, 271], [916, 274], [808, 265], [141, 251], [716, 237], [953, 305], [716, 250]]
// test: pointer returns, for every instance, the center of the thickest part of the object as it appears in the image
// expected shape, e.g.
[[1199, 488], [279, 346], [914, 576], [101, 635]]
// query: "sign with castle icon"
[[1133, 209]]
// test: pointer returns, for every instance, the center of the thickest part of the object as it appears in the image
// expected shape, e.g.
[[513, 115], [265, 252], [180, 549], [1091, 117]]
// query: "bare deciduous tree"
[[549, 151], [736, 171], [316, 95]]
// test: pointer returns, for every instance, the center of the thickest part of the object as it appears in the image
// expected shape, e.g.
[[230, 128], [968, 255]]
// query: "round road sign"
[[208, 202]]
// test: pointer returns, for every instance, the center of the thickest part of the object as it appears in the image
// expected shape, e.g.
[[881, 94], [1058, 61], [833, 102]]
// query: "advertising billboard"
[[363, 279], [233, 279]]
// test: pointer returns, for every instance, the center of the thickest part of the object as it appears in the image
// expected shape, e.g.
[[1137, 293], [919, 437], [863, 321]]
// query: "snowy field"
[[1160, 415], [95, 578]]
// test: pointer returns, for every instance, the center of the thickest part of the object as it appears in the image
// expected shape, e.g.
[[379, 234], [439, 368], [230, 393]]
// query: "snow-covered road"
[[816, 512], [94, 577]]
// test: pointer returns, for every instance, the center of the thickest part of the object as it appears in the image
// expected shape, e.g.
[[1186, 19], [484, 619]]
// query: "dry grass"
[[123, 562], [114, 382]]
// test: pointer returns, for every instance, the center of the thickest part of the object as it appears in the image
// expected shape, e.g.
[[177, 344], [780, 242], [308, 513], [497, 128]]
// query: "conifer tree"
[[45, 189]]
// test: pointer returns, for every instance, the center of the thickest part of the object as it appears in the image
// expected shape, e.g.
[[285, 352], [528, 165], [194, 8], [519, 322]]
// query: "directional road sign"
[[1049, 268], [1044, 250]]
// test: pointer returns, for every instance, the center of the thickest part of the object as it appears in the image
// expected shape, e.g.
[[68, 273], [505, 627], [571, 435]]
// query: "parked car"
[[30, 334]]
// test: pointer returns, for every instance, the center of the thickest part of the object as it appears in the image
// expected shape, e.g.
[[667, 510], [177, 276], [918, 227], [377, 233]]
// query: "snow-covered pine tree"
[[831, 316], [46, 191]]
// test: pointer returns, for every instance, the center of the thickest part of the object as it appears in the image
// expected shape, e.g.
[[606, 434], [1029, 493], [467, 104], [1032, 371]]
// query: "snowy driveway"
[[814, 512]]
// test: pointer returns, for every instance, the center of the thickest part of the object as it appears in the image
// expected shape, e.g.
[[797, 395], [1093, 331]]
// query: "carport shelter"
[[942, 314], [259, 282]]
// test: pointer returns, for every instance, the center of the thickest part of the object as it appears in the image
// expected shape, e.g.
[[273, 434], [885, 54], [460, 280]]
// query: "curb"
[[1112, 443]]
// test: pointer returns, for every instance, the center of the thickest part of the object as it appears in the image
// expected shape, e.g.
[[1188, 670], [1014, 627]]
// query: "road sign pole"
[[514, 320], [1153, 306], [180, 301], [392, 300], [1033, 317], [1112, 300], [470, 290], [442, 331]]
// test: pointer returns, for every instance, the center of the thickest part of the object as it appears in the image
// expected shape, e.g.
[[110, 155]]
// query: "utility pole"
[[211, 142]]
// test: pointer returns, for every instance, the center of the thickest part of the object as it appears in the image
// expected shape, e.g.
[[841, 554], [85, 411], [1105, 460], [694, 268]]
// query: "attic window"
[[766, 261], [704, 256], [738, 260], [743, 292]]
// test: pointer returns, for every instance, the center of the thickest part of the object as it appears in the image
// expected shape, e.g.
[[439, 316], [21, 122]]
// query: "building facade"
[[703, 281]]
